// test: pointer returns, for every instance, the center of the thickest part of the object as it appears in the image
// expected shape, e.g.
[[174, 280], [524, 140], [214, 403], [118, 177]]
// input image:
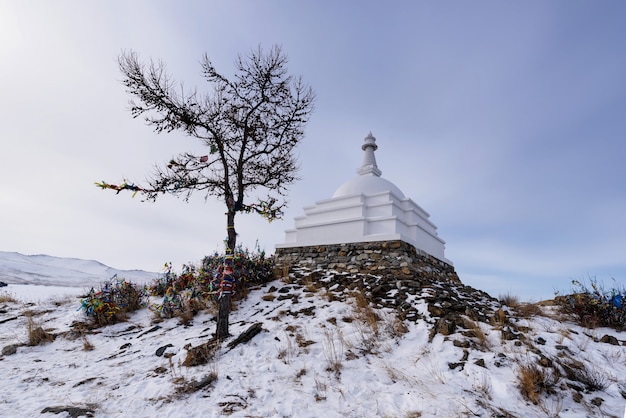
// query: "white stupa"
[[365, 209]]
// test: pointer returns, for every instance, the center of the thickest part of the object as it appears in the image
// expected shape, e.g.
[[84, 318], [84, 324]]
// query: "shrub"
[[36, 334], [112, 302], [533, 381], [576, 371], [596, 306], [196, 286], [5, 297]]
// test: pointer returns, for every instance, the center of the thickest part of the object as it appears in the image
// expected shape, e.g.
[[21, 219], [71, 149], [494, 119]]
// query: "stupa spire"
[[369, 166]]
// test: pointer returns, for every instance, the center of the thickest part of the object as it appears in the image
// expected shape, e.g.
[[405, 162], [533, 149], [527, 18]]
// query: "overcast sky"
[[505, 121]]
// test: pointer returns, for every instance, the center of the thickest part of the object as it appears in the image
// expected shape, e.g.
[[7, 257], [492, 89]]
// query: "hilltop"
[[317, 343]]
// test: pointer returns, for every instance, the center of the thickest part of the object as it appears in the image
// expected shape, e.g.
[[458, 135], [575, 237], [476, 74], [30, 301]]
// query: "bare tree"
[[250, 124]]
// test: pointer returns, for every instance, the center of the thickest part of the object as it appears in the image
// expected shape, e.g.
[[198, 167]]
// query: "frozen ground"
[[318, 355]]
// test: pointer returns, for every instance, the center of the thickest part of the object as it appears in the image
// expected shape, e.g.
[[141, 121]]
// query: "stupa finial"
[[369, 166]]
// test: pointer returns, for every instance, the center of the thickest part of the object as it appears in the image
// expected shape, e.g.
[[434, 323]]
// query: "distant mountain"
[[18, 268]]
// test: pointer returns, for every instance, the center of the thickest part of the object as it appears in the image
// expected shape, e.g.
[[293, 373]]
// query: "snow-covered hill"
[[324, 349], [16, 268]]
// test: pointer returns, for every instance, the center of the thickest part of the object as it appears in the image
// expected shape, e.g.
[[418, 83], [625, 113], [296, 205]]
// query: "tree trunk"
[[227, 279], [221, 332]]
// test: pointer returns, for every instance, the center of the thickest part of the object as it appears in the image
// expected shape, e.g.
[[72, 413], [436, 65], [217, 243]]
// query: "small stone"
[[71, 410], [541, 341], [161, 350], [508, 334], [125, 346], [435, 310], [609, 339], [461, 344], [480, 362], [577, 397], [453, 366], [597, 401], [9, 350], [545, 362]]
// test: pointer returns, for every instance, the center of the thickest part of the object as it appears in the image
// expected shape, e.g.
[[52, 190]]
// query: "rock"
[[508, 334], [435, 310], [3, 284], [153, 329], [74, 412], [247, 335], [201, 354], [446, 326], [462, 344], [545, 362], [125, 346], [453, 366], [609, 339], [480, 362], [9, 350], [597, 401], [161, 350], [541, 341]]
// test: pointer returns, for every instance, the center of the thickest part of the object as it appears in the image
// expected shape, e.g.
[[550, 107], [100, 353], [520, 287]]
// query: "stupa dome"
[[367, 208], [367, 185]]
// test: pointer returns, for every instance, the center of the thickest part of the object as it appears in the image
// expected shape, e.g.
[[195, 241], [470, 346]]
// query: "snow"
[[324, 363], [47, 270]]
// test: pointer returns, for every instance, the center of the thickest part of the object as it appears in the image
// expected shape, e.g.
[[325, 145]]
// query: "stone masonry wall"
[[394, 260]]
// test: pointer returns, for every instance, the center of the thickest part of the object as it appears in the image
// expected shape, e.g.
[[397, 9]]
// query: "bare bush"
[[333, 350], [533, 381], [36, 334], [7, 298]]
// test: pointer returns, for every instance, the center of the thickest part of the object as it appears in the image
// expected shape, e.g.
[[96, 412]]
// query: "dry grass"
[[483, 386], [310, 285], [188, 309], [7, 298], [301, 373], [286, 353], [522, 309], [269, 297], [509, 300], [475, 331], [365, 313], [36, 334], [320, 389], [528, 310], [333, 351], [282, 273], [499, 319], [201, 354], [329, 295], [393, 325], [184, 386], [398, 375], [533, 381], [87, 345], [577, 371]]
